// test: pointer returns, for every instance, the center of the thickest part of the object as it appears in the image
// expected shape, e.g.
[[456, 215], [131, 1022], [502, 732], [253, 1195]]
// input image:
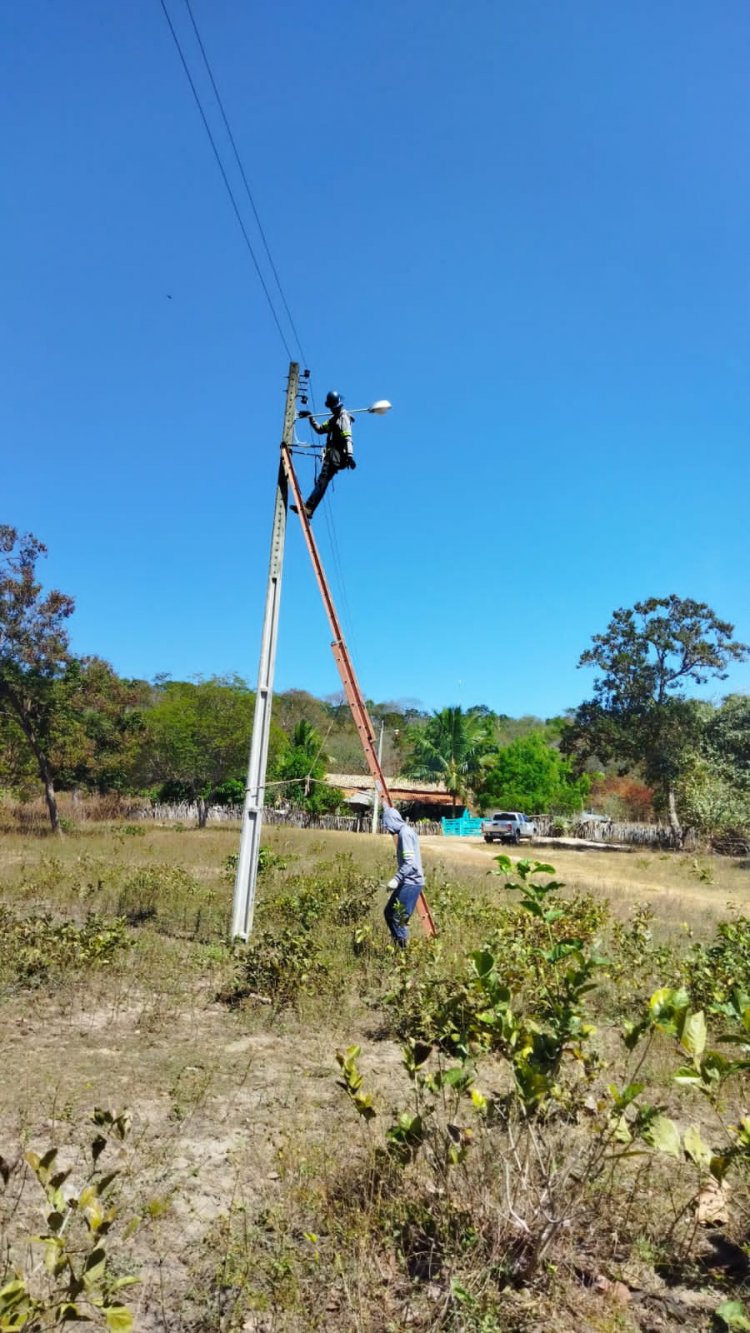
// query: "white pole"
[[376, 793], [243, 906]]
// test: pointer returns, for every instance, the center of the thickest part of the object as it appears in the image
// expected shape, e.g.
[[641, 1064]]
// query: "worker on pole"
[[338, 451], [408, 882]]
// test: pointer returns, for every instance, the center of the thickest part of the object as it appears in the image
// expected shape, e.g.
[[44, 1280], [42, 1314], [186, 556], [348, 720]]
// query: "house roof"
[[401, 788], [366, 782]]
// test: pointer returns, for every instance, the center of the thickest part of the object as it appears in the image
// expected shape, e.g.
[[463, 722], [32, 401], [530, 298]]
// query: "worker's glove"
[[350, 463], [304, 414], [392, 884]]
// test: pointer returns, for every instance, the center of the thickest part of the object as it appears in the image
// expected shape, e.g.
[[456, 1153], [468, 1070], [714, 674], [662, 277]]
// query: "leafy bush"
[[454, 905], [635, 958], [267, 861], [560, 827], [541, 952], [166, 895], [352, 907], [337, 893], [431, 1002], [715, 971], [278, 967], [129, 831], [548, 1149], [37, 949]]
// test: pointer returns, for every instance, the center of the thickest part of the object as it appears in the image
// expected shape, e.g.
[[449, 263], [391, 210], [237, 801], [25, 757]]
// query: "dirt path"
[[669, 878]]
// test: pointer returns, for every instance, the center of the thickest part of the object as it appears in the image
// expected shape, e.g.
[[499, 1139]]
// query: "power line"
[[245, 181], [225, 179]]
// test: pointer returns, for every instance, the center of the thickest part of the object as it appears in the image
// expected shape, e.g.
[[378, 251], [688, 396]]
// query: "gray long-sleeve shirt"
[[408, 854]]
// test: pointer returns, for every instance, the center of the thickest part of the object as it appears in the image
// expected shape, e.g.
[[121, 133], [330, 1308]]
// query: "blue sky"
[[526, 224]]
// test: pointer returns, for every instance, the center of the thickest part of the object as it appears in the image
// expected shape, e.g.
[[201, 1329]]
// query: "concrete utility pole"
[[375, 802], [243, 906]]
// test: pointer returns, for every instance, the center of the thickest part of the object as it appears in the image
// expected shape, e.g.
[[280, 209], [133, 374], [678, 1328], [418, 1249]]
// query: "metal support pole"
[[243, 906], [375, 802]]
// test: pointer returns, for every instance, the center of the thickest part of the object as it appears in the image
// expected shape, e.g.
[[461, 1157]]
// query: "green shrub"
[[715, 971], [301, 910], [278, 966], [37, 949], [529, 946], [635, 958], [129, 831], [267, 861], [355, 905], [166, 895]]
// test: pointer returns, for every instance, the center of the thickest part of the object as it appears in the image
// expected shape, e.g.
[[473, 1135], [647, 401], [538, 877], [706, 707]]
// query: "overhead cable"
[[245, 181], [225, 178]]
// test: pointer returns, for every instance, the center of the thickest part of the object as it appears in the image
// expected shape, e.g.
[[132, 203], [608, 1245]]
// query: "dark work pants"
[[399, 908], [332, 463]]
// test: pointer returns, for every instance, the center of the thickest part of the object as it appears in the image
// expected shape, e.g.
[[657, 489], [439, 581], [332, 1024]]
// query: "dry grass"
[[682, 888]]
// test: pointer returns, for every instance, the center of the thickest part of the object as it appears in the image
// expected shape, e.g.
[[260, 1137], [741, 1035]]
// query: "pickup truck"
[[507, 826]]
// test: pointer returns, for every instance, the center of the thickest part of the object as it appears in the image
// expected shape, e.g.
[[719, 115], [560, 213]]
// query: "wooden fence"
[[185, 812], [594, 830], [611, 830]]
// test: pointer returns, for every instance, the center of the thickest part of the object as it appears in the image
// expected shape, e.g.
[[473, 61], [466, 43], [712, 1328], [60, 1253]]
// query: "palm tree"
[[307, 739], [451, 747]]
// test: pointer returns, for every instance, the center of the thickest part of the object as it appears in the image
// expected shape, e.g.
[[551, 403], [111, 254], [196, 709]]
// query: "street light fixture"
[[377, 409]]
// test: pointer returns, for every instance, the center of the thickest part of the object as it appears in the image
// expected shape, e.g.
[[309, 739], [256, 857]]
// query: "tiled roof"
[[365, 782]]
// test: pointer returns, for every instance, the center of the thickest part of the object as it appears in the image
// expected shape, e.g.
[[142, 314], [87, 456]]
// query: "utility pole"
[[375, 802], [243, 906]]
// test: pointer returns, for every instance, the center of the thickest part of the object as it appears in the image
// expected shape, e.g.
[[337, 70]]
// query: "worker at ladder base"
[[408, 881], [338, 451]]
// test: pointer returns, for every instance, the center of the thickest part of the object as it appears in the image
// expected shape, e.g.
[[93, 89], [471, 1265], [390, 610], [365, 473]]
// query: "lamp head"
[[380, 408]]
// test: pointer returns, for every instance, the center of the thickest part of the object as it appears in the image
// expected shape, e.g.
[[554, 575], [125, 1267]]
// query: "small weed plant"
[[66, 1274]]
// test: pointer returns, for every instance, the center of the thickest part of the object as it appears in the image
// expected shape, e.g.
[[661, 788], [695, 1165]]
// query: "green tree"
[[529, 775], [196, 736], [302, 767], [714, 791], [34, 653], [452, 747], [18, 769], [728, 740], [639, 714], [99, 727], [710, 801]]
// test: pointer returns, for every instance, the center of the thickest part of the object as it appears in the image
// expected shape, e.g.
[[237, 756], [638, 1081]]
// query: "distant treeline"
[[639, 748]]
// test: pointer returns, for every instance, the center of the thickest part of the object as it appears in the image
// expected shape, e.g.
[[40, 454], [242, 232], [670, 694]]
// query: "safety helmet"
[[333, 399]]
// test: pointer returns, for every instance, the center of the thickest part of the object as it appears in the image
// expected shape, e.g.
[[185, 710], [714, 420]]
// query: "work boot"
[[308, 512]]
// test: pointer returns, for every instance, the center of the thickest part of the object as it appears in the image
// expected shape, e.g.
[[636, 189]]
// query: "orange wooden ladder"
[[344, 663]]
